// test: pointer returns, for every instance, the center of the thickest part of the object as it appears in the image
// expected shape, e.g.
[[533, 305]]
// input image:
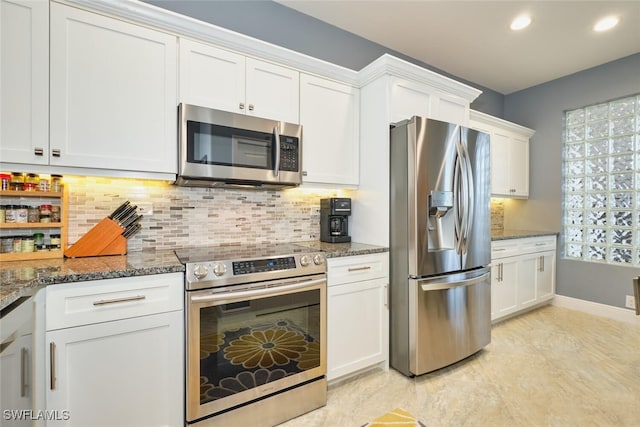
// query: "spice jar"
[[55, 213], [45, 209], [6, 181], [6, 245], [17, 181], [38, 239], [45, 218], [44, 183], [3, 214], [17, 243], [11, 214], [22, 215], [28, 244], [54, 241], [33, 214], [56, 183], [31, 182]]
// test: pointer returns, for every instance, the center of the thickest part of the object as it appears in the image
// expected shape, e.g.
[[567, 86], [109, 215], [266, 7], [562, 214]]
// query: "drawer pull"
[[499, 250], [24, 362], [366, 267], [541, 244], [119, 300]]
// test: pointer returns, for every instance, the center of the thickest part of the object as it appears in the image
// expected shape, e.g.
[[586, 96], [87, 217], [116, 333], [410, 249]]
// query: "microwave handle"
[[276, 168]]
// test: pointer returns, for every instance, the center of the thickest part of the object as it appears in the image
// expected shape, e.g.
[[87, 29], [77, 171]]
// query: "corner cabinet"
[[357, 314], [522, 274], [113, 93], [329, 114], [224, 80], [115, 352], [24, 81], [509, 154]]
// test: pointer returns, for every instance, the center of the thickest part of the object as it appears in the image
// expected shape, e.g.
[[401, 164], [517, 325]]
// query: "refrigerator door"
[[450, 319], [433, 160], [476, 242]]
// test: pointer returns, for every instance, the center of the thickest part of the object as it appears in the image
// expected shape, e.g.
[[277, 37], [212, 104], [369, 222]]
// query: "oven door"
[[247, 342]]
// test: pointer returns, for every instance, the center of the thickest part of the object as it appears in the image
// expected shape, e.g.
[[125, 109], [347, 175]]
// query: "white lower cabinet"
[[114, 352], [522, 274], [357, 314]]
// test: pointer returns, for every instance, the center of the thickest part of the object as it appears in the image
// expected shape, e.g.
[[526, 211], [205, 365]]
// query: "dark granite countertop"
[[520, 234], [24, 278], [336, 250]]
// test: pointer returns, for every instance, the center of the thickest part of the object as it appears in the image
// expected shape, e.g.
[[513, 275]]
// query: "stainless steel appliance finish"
[[440, 244], [256, 334], [218, 148]]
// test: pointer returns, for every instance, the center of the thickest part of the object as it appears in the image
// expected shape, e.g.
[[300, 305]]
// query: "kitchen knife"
[[119, 210], [131, 220], [133, 229], [129, 210]]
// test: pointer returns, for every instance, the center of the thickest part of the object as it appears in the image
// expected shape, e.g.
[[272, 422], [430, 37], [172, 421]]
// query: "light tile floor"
[[549, 367]]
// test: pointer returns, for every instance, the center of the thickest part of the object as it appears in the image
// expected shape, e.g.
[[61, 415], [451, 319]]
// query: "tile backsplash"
[[184, 217], [497, 215]]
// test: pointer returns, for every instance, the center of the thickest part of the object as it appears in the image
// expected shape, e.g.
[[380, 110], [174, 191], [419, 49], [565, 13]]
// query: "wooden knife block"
[[105, 238]]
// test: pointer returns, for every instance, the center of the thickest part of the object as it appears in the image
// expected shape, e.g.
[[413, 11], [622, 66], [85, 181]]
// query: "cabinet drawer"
[[83, 303], [357, 268], [539, 244], [504, 248]]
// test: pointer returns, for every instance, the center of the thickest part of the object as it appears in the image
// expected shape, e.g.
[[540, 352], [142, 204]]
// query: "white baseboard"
[[597, 309]]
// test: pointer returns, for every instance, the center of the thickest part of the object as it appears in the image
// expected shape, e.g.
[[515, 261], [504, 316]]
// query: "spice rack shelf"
[[56, 227]]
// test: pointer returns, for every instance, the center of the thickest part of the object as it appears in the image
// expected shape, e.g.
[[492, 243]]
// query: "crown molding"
[[390, 65], [503, 124]]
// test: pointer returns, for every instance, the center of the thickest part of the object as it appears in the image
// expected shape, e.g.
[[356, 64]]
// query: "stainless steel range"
[[255, 334]]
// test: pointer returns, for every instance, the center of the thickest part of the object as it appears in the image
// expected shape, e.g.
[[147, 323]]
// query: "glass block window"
[[601, 182]]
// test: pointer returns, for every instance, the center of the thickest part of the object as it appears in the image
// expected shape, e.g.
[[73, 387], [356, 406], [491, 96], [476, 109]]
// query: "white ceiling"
[[472, 39]]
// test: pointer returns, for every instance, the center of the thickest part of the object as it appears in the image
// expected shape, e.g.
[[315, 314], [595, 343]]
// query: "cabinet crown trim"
[[181, 25], [503, 124], [390, 65]]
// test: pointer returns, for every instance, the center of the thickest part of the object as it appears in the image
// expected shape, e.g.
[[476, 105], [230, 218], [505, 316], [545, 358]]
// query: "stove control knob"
[[318, 259], [200, 271], [305, 260], [219, 269]]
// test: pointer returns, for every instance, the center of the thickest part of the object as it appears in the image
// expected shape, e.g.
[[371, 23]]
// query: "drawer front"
[[357, 268], [504, 248], [83, 303], [539, 244]]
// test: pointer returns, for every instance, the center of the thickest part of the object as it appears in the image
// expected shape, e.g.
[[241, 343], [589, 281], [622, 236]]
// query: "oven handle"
[[286, 286]]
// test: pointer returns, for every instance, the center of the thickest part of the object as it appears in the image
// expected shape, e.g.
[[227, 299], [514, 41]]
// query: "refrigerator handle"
[[458, 197], [470, 199], [438, 286]]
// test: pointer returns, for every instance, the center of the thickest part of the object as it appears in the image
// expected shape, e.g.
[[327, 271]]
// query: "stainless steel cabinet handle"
[[241, 106], [55, 152], [542, 260], [119, 300], [24, 362], [38, 151], [304, 173], [366, 267], [52, 365], [499, 250], [250, 107], [636, 293], [386, 295]]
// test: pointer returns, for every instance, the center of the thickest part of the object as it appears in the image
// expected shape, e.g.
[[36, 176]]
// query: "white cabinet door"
[[546, 276], [526, 281], [273, 92], [24, 81], [121, 373], [16, 387], [409, 99], [519, 166], [113, 93], [329, 114], [356, 325], [211, 77], [500, 165], [504, 297]]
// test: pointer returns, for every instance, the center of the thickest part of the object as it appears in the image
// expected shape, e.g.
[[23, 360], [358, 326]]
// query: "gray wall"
[[541, 108], [277, 24]]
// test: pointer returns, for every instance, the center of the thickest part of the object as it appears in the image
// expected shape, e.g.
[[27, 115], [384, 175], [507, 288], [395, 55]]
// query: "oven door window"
[[227, 146], [245, 345]]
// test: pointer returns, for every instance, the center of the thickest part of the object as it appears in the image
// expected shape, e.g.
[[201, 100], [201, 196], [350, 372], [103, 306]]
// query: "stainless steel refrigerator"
[[440, 244]]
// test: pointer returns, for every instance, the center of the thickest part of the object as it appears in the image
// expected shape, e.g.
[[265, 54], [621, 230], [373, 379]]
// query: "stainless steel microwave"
[[218, 148]]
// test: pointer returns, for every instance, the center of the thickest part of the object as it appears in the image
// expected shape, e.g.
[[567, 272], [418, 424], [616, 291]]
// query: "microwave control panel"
[[289, 154]]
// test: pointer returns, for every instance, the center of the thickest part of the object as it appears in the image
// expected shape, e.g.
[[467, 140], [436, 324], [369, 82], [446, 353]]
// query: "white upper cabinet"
[[411, 98], [24, 81], [220, 79], [113, 93], [509, 154], [329, 114]]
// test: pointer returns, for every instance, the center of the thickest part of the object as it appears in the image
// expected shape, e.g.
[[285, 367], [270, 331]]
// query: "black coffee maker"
[[334, 220]]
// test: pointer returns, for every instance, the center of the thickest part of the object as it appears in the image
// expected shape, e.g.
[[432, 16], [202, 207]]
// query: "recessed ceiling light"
[[520, 22], [606, 23]]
